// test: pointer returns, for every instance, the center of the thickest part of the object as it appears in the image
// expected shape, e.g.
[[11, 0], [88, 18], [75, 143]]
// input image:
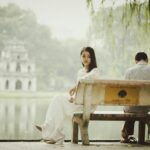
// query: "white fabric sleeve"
[[79, 75]]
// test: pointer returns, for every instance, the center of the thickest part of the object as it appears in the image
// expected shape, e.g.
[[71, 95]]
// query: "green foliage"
[[124, 31], [88, 2], [130, 10]]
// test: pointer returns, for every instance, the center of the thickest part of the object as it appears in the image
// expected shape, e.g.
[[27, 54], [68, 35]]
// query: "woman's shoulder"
[[82, 70], [95, 70]]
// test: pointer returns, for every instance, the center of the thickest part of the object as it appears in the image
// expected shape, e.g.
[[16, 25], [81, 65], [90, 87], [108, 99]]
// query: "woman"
[[61, 107]]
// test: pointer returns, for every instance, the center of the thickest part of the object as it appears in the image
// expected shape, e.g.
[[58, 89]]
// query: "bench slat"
[[115, 116]]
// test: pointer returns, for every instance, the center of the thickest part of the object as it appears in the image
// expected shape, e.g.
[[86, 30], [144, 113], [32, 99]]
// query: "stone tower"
[[17, 71]]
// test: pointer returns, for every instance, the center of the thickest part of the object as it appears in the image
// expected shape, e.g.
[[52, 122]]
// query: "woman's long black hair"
[[93, 63]]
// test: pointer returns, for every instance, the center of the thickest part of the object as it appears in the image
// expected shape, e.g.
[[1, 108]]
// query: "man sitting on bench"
[[141, 71]]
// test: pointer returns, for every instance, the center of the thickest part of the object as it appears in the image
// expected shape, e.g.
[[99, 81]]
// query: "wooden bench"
[[110, 92]]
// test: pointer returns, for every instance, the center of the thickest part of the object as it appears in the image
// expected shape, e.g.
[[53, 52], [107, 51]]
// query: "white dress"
[[60, 108]]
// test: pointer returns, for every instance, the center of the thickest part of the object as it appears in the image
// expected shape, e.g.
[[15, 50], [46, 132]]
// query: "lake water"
[[19, 112]]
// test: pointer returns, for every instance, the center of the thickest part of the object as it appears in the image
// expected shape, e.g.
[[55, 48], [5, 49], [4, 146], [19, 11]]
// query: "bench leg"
[[141, 134], [75, 133], [84, 133]]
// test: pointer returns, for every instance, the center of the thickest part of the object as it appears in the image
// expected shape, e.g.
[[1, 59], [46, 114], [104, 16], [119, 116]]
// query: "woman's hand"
[[72, 91]]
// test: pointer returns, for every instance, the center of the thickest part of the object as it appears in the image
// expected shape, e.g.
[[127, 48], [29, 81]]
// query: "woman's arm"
[[72, 91]]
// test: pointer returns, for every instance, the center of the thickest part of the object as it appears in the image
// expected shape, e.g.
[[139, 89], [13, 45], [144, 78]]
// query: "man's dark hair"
[[141, 56]]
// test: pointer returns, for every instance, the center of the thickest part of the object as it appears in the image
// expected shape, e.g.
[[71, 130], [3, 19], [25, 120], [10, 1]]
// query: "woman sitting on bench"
[[61, 107]]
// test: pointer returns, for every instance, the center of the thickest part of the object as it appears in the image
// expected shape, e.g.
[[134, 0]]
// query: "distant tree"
[[54, 59]]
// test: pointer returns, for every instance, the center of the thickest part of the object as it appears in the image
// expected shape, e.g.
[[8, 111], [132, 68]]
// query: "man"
[[141, 71]]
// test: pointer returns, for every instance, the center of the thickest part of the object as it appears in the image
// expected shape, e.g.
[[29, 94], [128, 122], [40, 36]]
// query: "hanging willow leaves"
[[124, 30], [131, 9]]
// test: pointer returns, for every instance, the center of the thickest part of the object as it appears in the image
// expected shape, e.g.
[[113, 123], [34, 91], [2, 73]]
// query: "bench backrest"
[[111, 92]]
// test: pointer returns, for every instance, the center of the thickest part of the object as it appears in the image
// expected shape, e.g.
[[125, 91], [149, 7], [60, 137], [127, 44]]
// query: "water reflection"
[[19, 112]]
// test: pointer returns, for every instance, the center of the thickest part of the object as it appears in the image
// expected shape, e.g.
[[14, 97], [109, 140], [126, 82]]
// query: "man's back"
[[141, 71]]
